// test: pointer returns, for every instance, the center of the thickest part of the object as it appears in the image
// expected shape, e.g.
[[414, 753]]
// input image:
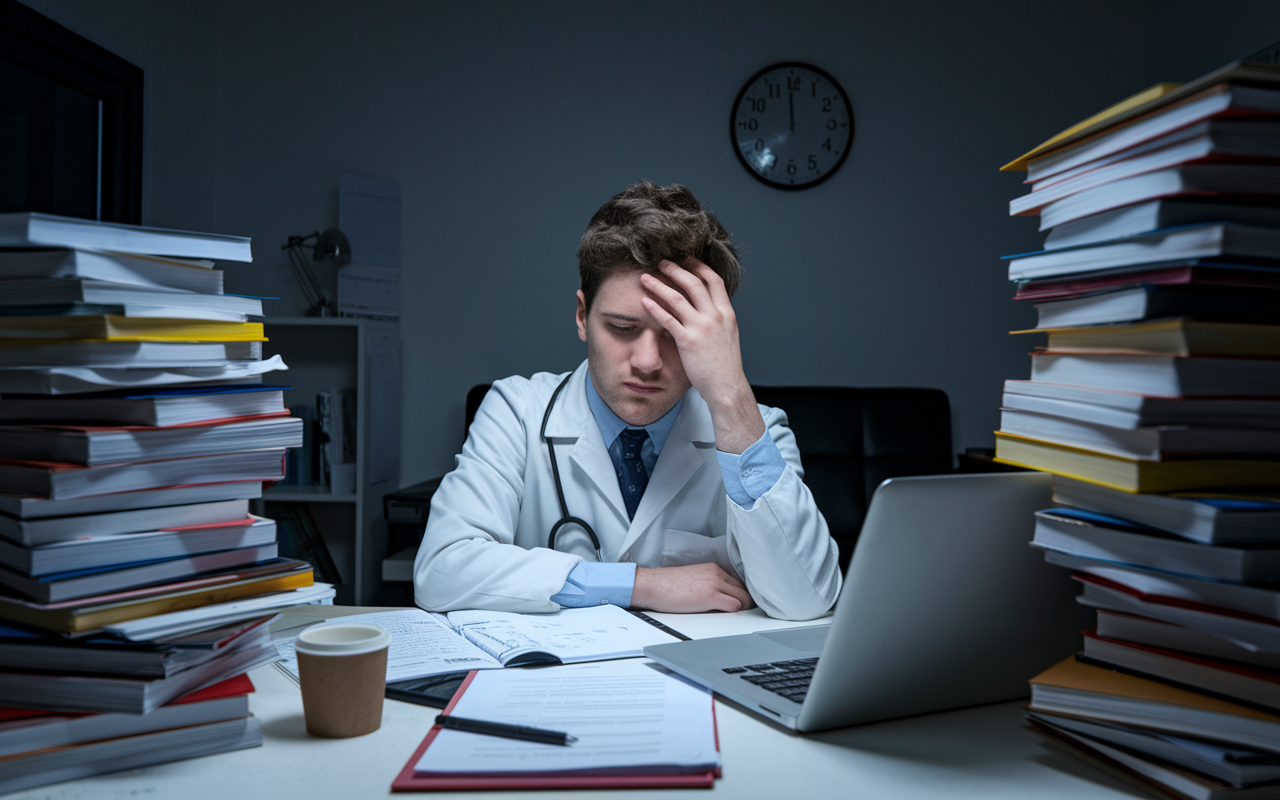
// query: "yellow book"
[[1074, 675], [1130, 103], [1132, 475], [78, 617], [1148, 100], [116, 328], [1178, 336]]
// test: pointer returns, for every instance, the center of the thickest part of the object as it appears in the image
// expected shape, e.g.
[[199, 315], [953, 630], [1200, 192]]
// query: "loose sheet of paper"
[[627, 715], [571, 634], [421, 645]]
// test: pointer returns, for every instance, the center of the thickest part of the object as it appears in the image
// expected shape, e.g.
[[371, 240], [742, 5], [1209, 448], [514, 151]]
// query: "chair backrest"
[[852, 439]]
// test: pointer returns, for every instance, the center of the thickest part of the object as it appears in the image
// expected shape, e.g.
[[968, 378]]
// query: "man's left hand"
[[694, 308]]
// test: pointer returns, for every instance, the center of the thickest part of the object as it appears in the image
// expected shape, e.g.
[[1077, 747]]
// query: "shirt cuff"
[[591, 583], [749, 476]]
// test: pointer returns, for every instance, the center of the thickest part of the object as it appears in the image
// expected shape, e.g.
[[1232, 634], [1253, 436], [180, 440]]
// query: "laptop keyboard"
[[787, 678]]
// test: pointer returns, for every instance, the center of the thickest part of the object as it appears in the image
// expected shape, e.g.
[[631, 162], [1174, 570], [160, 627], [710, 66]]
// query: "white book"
[[425, 644], [178, 623], [55, 291], [1213, 101], [33, 507], [129, 752], [34, 532], [1148, 443], [1153, 215], [1159, 411], [1109, 539], [1210, 240], [125, 355], [122, 268], [124, 549], [75, 380], [63, 481], [1161, 376], [1212, 519], [33, 229], [1191, 179], [1167, 635], [93, 445], [1201, 147], [160, 408]]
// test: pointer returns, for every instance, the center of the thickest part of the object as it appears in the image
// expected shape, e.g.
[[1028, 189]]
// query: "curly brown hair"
[[646, 223]]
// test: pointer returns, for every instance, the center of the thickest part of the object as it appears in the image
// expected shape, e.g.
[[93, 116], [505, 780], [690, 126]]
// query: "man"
[[693, 491]]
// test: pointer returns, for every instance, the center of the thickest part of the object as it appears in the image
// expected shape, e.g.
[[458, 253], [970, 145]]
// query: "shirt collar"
[[611, 425]]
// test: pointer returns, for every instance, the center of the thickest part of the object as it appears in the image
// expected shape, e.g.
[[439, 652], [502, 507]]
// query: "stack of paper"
[[1153, 403], [134, 431], [635, 726]]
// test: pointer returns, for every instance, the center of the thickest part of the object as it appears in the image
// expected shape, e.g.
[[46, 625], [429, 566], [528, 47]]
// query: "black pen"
[[506, 731]]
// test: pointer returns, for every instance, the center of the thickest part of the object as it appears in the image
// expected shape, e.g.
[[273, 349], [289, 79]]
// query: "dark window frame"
[[37, 43]]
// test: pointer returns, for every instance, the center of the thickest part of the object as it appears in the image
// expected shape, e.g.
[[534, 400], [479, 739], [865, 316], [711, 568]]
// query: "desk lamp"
[[331, 244]]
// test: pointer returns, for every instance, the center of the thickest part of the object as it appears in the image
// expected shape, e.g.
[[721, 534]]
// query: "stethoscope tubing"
[[565, 517]]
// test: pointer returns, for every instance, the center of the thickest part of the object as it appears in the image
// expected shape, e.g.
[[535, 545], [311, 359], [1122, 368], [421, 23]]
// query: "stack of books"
[[134, 431], [1156, 404]]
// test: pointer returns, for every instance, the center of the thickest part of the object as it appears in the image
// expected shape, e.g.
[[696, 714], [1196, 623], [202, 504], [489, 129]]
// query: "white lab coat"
[[486, 539]]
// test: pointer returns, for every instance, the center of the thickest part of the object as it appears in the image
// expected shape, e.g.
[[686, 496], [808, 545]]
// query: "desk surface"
[[979, 752]]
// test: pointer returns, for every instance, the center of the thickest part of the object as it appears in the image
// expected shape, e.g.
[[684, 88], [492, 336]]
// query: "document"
[[628, 716], [425, 644]]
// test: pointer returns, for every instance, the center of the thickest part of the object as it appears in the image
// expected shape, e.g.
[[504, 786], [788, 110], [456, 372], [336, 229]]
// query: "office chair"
[[852, 439]]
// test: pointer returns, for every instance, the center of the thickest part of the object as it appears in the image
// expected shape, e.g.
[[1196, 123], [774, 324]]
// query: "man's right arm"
[[469, 557]]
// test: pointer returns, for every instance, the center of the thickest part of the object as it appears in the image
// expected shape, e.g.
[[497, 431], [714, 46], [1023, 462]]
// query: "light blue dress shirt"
[[746, 478]]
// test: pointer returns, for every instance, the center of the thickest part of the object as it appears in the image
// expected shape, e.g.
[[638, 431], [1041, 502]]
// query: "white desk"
[[979, 752]]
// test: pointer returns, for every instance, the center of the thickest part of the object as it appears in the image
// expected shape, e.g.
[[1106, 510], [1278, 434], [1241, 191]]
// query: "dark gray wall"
[[507, 124]]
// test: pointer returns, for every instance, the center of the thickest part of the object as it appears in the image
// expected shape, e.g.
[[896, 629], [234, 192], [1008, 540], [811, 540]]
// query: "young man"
[[693, 491]]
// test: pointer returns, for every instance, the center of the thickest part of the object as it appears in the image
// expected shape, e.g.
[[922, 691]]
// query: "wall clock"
[[792, 125]]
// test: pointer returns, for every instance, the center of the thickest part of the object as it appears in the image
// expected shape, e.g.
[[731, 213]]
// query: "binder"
[[408, 781]]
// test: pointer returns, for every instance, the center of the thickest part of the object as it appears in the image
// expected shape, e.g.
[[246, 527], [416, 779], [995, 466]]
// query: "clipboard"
[[408, 781]]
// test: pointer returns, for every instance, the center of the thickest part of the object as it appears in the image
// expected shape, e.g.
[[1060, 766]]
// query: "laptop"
[[944, 606]]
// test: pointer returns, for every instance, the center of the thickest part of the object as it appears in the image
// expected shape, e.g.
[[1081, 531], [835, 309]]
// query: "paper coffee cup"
[[343, 673]]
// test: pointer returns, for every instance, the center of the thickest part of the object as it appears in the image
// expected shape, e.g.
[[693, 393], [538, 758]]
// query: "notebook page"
[[421, 645], [571, 634], [626, 715]]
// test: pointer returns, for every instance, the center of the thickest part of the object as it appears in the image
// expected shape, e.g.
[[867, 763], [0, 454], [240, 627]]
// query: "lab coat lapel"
[[678, 463], [571, 420]]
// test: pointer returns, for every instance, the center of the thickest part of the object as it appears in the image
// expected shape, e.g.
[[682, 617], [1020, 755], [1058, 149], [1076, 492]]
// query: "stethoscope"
[[565, 518]]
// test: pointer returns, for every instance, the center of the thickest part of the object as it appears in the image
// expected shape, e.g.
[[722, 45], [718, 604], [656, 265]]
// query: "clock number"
[[827, 144], [793, 84], [813, 89], [826, 105], [757, 104], [831, 125], [759, 145], [791, 167], [753, 123], [774, 90], [813, 163]]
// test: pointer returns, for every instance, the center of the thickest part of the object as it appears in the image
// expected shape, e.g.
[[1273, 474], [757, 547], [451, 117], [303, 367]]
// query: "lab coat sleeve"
[[468, 557], [781, 545]]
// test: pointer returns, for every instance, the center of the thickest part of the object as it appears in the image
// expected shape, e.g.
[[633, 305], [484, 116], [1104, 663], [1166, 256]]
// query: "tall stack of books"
[[1156, 404], [134, 431]]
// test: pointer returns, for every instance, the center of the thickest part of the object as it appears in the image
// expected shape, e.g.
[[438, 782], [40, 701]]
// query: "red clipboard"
[[407, 781]]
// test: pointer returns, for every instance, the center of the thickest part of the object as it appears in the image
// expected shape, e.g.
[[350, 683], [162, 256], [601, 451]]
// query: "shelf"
[[349, 322], [307, 494]]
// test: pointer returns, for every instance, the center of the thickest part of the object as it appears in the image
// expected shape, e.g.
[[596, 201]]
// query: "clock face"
[[792, 125]]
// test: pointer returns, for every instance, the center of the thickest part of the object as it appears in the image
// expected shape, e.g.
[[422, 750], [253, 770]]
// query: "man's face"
[[634, 363]]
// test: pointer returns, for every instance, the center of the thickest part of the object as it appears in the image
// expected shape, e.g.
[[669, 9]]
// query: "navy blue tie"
[[632, 477]]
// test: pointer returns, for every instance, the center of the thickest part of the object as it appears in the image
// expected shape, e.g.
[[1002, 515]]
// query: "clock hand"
[[791, 102]]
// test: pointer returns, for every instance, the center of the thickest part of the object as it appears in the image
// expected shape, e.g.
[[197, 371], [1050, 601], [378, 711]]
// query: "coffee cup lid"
[[341, 640]]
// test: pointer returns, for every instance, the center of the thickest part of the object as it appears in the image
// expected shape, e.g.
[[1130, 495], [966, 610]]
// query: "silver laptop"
[[945, 605]]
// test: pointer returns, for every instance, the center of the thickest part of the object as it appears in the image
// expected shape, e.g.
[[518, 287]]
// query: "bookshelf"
[[325, 353]]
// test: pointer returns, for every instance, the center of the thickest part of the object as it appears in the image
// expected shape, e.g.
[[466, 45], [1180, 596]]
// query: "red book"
[[409, 781]]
